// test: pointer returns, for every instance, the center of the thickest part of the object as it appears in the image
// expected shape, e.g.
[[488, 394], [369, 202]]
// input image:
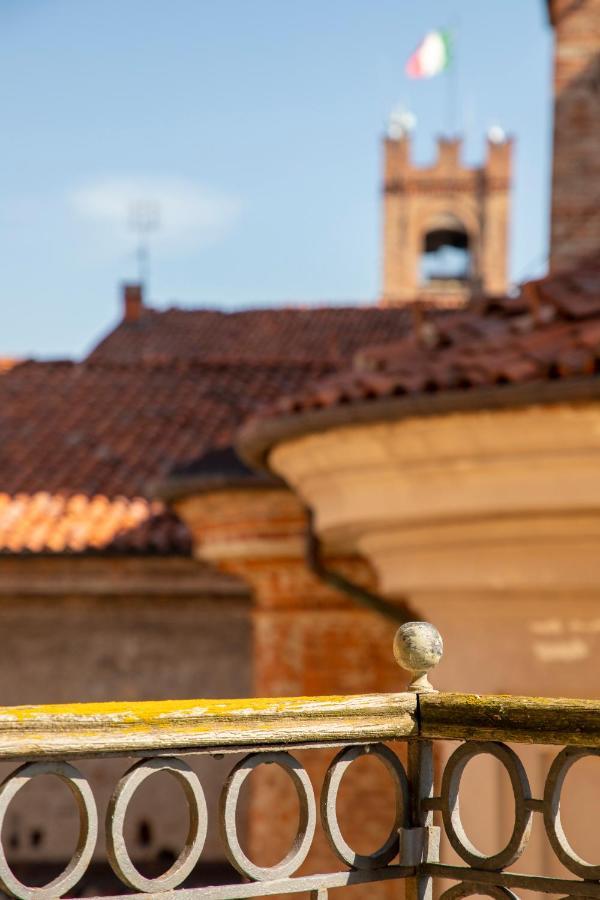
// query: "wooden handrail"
[[95, 729], [500, 717]]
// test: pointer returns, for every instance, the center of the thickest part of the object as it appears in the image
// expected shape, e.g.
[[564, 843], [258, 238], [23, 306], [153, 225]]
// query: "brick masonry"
[[85, 629], [575, 225], [414, 197], [308, 639]]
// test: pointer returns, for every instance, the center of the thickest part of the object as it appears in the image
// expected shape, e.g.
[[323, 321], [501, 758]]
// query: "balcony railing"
[[50, 740]]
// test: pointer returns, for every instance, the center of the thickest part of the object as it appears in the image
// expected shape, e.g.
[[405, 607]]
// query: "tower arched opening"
[[446, 253]]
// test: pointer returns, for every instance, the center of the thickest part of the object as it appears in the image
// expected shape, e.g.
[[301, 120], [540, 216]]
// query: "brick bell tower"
[[445, 232]]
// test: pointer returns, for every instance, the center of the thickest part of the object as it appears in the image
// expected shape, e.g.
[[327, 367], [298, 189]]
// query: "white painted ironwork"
[[333, 778], [88, 829], [551, 808], [458, 891], [306, 827], [116, 848], [450, 806]]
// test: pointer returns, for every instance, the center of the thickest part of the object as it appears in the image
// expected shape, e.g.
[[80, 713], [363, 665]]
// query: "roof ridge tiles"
[[485, 344], [183, 365]]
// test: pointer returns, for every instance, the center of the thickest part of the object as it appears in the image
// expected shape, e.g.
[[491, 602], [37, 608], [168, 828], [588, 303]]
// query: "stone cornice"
[[486, 499]]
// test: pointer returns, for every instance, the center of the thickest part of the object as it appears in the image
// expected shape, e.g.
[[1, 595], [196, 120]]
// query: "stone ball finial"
[[418, 647]]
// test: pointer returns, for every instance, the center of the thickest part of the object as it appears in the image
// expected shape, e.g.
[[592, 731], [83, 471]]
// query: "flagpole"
[[452, 124]]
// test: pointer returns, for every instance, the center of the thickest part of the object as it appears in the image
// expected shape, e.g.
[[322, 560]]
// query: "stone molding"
[[476, 500]]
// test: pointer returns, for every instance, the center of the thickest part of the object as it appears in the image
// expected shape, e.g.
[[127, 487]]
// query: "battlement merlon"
[[398, 165], [498, 161]]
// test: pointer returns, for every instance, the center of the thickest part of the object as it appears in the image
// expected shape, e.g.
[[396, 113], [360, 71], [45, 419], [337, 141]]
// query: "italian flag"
[[431, 57]]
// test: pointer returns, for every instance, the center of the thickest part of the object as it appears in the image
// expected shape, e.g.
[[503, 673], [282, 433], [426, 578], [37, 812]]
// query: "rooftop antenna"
[[144, 219]]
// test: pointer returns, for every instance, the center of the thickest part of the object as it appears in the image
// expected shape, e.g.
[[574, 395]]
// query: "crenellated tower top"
[[445, 225]]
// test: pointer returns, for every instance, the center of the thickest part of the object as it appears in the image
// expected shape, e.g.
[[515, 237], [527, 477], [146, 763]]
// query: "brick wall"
[[308, 639], [111, 643], [575, 227]]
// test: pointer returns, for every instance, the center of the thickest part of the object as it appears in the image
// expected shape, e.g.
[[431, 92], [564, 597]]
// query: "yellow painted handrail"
[[92, 729]]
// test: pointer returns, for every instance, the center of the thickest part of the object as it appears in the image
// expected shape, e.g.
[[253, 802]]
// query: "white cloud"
[[189, 214]]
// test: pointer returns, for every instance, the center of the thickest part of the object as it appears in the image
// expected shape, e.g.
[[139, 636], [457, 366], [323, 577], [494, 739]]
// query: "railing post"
[[418, 648]]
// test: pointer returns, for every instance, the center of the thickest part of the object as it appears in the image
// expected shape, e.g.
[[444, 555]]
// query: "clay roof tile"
[[552, 330], [84, 440]]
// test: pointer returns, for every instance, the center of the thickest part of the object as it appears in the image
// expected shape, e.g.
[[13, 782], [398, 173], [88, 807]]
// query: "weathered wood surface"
[[89, 729], [533, 720]]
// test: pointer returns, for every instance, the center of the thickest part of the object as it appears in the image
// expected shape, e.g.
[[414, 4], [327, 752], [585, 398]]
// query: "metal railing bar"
[[294, 885], [541, 883]]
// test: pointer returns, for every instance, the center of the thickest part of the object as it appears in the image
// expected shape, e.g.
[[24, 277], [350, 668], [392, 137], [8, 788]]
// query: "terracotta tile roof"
[[101, 429], [306, 335], [57, 523], [82, 442], [551, 331], [7, 363]]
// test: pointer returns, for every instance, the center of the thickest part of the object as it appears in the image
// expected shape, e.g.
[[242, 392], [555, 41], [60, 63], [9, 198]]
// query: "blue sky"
[[256, 127]]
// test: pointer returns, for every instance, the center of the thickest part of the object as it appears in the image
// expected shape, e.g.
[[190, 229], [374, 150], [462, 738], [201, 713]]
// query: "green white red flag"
[[431, 57]]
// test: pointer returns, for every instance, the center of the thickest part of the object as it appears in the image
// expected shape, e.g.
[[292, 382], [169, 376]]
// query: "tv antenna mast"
[[144, 219]]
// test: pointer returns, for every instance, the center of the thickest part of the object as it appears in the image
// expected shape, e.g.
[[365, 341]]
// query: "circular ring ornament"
[[458, 891], [331, 784], [88, 829], [115, 822], [451, 807], [306, 826], [552, 822]]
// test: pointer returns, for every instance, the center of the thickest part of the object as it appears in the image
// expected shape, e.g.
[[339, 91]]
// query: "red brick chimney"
[[133, 302]]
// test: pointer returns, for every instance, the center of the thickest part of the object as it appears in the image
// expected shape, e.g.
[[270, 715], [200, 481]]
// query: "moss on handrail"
[[218, 726], [502, 717], [92, 729]]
